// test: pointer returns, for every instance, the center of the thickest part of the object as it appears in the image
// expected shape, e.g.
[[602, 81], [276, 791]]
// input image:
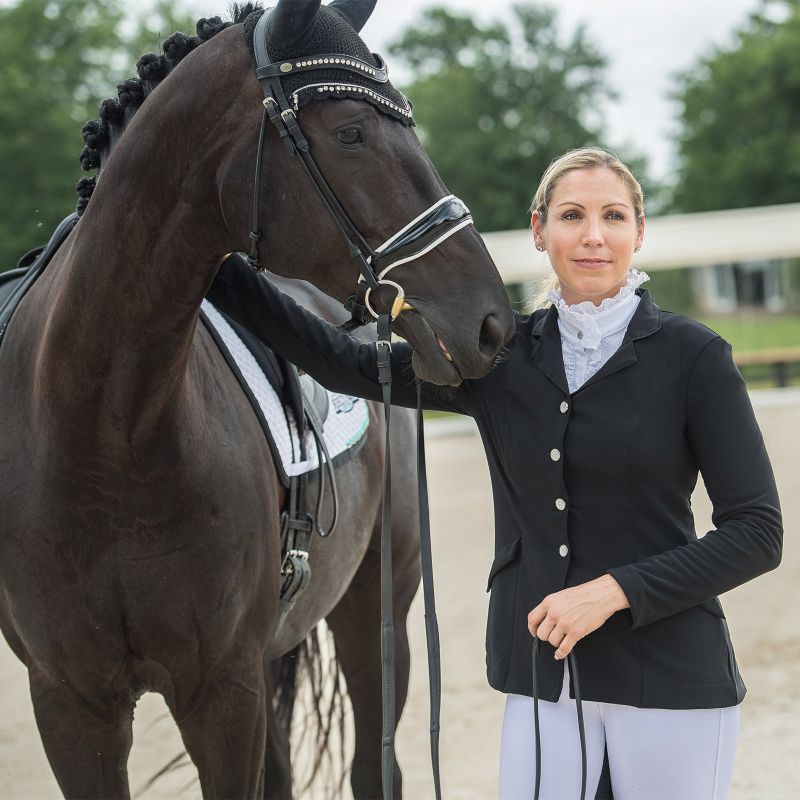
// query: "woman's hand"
[[564, 617]]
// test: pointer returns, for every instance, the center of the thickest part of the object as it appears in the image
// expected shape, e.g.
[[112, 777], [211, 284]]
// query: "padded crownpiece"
[[331, 33]]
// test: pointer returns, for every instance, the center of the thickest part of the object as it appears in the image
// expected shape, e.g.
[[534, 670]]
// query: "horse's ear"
[[356, 12], [291, 20]]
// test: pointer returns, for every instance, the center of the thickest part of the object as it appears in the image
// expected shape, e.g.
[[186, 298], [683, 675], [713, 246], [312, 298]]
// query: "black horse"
[[139, 538]]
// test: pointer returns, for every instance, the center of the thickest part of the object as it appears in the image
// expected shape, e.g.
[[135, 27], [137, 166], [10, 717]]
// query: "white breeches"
[[653, 753]]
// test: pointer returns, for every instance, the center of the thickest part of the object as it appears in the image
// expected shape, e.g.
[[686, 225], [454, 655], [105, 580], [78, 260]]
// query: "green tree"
[[740, 139], [60, 59], [496, 103]]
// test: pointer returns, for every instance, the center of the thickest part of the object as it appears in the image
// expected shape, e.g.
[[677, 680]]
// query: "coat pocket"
[[504, 557], [502, 622]]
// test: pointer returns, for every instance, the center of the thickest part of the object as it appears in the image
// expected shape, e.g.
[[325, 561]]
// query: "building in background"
[[750, 285]]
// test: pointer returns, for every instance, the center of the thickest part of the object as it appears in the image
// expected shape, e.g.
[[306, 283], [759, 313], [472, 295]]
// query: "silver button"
[[560, 504], [563, 550], [564, 407], [554, 454]]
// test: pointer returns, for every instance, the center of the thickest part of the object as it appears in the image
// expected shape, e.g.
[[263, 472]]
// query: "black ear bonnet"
[[331, 33]]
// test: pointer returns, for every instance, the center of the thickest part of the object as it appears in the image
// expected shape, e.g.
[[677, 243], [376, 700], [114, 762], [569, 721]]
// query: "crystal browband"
[[351, 87], [284, 69]]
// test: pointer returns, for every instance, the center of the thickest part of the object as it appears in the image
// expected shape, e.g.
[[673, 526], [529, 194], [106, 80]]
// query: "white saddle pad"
[[345, 426]]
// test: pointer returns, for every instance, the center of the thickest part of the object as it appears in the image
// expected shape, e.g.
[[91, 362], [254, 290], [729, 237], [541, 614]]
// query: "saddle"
[[293, 410]]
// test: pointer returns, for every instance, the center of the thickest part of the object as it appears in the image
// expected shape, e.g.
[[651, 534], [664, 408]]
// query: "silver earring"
[[540, 247]]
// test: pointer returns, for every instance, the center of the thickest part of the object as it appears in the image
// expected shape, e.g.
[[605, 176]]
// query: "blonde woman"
[[596, 425]]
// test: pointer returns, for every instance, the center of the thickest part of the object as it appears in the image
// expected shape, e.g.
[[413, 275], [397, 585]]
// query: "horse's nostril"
[[490, 339]]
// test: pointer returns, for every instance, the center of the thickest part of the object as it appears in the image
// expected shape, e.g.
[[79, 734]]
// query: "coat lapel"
[[546, 349], [623, 357], [646, 320]]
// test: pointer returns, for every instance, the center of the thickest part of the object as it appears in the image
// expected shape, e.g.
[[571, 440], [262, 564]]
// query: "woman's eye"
[[349, 136], [615, 215], [570, 215]]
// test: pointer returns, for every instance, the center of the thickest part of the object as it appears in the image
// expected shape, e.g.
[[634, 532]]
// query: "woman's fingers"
[[543, 626], [565, 617], [535, 618], [565, 646], [547, 630]]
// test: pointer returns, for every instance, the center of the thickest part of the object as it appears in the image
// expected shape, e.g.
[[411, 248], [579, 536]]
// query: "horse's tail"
[[311, 673]]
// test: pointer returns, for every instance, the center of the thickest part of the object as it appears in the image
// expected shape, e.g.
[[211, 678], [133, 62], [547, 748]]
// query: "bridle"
[[427, 231], [445, 217]]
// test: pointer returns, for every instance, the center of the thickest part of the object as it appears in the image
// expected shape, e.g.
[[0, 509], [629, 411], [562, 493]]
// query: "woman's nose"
[[593, 233]]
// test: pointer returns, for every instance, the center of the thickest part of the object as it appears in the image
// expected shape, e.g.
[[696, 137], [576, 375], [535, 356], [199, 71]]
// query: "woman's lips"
[[591, 263]]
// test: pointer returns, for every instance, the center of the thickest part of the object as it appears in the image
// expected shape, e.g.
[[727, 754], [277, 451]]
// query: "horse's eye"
[[349, 136]]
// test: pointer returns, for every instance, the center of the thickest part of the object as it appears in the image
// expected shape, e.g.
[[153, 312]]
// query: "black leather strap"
[[359, 313], [254, 258], [387, 612], [296, 530], [431, 623], [573, 667], [317, 430], [387, 607]]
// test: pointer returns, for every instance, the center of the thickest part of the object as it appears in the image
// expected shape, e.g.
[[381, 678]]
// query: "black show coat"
[[594, 482]]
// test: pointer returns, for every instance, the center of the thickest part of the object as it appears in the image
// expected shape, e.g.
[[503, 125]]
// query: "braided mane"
[[100, 135]]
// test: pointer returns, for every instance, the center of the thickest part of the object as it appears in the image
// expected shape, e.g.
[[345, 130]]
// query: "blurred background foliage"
[[60, 59], [494, 102], [739, 143]]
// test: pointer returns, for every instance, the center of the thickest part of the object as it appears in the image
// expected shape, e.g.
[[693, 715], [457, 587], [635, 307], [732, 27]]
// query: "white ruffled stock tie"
[[591, 334]]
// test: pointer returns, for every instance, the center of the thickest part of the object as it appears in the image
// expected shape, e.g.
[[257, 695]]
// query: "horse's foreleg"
[[278, 780], [224, 728], [87, 742], [355, 623]]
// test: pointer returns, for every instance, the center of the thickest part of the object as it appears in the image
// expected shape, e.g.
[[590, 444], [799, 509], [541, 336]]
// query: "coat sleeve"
[[336, 360], [748, 534]]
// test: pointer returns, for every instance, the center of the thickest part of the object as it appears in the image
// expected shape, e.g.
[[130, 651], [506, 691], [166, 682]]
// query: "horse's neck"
[[123, 308]]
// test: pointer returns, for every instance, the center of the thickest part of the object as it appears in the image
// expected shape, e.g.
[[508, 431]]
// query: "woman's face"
[[590, 233]]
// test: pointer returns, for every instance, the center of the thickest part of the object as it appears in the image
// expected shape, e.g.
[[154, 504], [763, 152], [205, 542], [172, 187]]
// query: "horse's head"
[[361, 137], [375, 208]]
